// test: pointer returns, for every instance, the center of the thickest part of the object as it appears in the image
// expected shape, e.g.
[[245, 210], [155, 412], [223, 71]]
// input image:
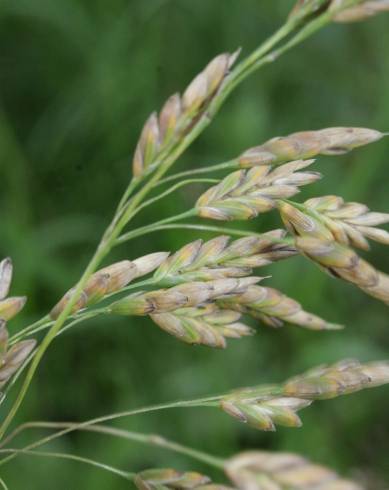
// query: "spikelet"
[[307, 144], [186, 295], [245, 194], [262, 412], [349, 376], [179, 114], [263, 470], [362, 11], [350, 223], [170, 479], [206, 325], [109, 280], [273, 308], [316, 241], [264, 407], [218, 258], [9, 307]]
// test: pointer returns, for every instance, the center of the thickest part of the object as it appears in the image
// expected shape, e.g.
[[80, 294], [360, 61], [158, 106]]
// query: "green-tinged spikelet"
[[245, 194]]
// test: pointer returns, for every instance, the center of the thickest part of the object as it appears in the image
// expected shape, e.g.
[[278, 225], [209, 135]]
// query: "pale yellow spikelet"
[[206, 325], [307, 144], [11, 306], [263, 470], [5, 277], [274, 309], [245, 194], [179, 113], [109, 280], [12, 358], [350, 223], [218, 258], [341, 378], [170, 479], [361, 11]]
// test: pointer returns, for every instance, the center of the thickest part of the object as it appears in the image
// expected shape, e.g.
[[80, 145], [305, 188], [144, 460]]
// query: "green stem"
[[3, 484], [148, 228], [203, 170], [48, 454], [148, 439], [217, 229], [180, 404]]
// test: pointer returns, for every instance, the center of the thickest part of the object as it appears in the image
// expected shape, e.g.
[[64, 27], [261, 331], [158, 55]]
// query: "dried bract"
[[218, 258], [179, 113], [274, 309], [262, 470], [307, 144], [110, 280], [245, 194], [206, 325]]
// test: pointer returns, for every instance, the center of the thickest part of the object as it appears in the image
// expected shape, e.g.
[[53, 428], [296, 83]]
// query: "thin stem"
[[188, 226], [3, 484], [202, 170], [148, 439], [173, 189], [48, 454], [210, 401], [146, 229], [30, 328]]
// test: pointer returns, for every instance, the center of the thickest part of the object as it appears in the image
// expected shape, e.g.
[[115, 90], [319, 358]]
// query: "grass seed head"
[[5, 277], [262, 470], [11, 359], [275, 309], [179, 113], [245, 194], [308, 144], [361, 11], [170, 479]]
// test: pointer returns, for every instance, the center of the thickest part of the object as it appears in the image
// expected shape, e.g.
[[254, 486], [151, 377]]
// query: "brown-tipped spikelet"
[[190, 294], [110, 280], [316, 241], [274, 309], [170, 479], [263, 470], [345, 377], [245, 194], [361, 11], [307, 8], [350, 223], [218, 258], [307, 144], [179, 113], [206, 325]]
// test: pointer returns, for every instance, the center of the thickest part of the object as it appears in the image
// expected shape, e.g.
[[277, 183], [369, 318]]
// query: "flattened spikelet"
[[362, 11], [308, 144], [179, 113], [170, 479], [245, 194]]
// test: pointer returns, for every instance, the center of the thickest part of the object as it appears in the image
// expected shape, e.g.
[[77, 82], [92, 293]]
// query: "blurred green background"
[[77, 80]]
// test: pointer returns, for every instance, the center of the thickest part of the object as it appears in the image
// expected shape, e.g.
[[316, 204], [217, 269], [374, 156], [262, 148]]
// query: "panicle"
[[170, 479], [308, 144], [263, 470], [345, 377], [217, 258], [185, 295], [110, 280], [350, 223], [361, 11], [179, 114], [206, 325], [245, 194], [274, 309], [317, 242]]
